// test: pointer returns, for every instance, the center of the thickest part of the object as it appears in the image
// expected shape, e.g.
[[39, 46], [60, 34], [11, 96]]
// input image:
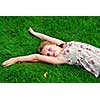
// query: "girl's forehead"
[[45, 48]]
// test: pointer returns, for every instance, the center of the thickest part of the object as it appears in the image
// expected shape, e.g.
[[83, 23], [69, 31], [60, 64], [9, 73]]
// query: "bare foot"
[[9, 62]]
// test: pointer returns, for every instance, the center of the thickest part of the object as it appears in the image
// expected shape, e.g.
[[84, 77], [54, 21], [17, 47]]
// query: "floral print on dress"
[[83, 54]]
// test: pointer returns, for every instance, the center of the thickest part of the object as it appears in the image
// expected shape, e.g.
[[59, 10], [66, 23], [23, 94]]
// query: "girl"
[[55, 51]]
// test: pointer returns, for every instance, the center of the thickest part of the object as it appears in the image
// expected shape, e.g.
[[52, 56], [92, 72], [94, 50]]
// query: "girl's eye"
[[48, 54], [49, 49]]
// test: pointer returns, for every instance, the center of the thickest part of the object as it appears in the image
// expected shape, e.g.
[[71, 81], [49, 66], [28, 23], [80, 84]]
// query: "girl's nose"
[[51, 53]]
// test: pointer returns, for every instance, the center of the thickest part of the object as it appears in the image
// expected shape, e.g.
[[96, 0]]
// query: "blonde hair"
[[43, 44]]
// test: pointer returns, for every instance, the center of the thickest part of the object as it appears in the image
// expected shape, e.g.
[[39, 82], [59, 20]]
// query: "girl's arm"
[[29, 58], [50, 59], [45, 37], [34, 58]]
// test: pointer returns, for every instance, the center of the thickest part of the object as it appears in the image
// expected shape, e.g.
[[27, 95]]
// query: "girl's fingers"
[[9, 62], [4, 63], [30, 29]]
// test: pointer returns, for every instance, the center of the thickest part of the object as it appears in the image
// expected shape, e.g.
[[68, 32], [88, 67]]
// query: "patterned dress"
[[86, 55]]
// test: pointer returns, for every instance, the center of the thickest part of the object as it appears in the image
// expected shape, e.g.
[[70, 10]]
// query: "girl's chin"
[[55, 54]]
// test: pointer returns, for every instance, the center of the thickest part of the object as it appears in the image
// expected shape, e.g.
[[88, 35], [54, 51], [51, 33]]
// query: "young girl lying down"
[[55, 51]]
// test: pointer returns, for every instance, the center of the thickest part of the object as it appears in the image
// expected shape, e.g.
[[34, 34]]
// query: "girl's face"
[[51, 50]]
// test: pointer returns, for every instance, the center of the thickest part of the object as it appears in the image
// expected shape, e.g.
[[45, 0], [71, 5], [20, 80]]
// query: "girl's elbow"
[[36, 56]]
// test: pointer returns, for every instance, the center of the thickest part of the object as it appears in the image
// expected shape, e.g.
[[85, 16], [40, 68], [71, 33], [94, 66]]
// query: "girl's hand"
[[31, 31], [9, 62]]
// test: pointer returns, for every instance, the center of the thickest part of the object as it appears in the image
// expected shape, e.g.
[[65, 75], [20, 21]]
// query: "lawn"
[[16, 41]]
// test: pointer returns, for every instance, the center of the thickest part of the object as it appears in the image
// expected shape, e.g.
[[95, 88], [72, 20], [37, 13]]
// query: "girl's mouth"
[[54, 54]]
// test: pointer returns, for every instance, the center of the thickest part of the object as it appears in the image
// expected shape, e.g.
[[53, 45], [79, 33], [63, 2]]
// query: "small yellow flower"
[[45, 74]]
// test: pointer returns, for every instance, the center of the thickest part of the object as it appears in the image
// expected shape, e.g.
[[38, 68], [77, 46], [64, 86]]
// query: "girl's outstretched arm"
[[11, 61], [45, 37], [34, 58]]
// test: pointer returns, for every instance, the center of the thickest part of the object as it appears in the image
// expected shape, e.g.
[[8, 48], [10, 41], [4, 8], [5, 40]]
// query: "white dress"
[[88, 56]]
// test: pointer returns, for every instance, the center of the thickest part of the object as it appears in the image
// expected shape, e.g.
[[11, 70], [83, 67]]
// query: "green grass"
[[16, 41]]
